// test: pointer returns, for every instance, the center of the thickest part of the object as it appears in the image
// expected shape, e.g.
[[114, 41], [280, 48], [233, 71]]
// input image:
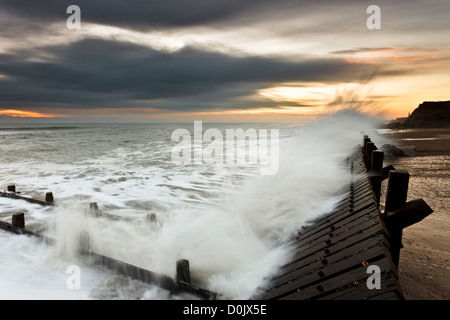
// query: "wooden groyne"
[[12, 194], [353, 252], [180, 284]]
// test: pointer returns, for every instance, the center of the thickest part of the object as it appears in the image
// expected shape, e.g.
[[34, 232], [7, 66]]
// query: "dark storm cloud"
[[141, 14], [92, 72]]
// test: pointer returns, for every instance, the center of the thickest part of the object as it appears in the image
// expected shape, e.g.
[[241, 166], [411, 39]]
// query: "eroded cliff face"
[[430, 115]]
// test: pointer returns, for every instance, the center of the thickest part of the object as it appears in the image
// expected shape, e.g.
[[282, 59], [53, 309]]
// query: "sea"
[[230, 221]]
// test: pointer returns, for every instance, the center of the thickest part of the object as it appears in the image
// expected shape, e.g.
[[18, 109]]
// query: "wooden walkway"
[[350, 254], [340, 255]]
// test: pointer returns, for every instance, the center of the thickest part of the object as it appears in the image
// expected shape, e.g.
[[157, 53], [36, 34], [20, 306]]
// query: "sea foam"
[[230, 223]]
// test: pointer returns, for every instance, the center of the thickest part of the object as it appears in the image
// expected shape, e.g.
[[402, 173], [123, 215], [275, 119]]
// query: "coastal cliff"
[[429, 115]]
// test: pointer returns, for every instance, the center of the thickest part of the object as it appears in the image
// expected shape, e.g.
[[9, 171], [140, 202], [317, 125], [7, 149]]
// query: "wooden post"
[[18, 220], [151, 217], [377, 160], [375, 178], [370, 147], [93, 208], [49, 198], [397, 189], [183, 273], [85, 246], [396, 195], [365, 140], [11, 188]]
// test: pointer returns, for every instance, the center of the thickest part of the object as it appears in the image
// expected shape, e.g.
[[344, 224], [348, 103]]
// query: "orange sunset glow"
[[26, 114]]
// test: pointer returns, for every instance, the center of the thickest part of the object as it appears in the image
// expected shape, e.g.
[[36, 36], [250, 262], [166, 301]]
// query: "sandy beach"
[[424, 267]]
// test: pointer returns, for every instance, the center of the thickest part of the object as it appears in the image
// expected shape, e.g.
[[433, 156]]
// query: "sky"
[[227, 60]]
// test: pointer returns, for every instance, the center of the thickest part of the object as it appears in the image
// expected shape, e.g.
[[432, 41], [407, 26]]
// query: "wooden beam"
[[151, 277], [384, 173], [182, 283], [18, 197], [17, 230], [408, 214], [96, 212]]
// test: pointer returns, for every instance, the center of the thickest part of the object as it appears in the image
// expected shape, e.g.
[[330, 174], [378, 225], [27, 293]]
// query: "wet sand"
[[429, 142], [424, 266]]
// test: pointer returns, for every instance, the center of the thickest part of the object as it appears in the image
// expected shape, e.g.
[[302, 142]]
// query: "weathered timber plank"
[[344, 261], [346, 217], [357, 196], [296, 269], [325, 221], [389, 290], [335, 229], [330, 246], [361, 183], [356, 275]]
